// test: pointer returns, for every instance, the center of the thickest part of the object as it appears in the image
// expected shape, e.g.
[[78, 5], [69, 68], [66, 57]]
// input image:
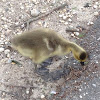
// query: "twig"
[[16, 62], [72, 30], [42, 16], [17, 86]]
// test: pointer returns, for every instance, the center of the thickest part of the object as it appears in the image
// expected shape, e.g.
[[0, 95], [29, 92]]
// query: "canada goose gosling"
[[42, 43]]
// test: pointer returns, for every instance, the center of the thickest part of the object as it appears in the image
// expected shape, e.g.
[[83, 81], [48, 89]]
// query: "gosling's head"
[[81, 57]]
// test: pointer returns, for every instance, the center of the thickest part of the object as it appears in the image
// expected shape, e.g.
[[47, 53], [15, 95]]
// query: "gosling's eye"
[[82, 56]]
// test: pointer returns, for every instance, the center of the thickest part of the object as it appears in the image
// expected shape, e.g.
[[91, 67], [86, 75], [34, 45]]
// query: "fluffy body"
[[43, 43]]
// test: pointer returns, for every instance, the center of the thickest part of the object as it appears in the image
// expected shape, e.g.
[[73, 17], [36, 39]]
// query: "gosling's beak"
[[82, 63]]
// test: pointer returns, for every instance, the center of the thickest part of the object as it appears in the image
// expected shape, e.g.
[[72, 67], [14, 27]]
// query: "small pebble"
[[66, 57], [22, 26], [9, 61], [43, 11], [84, 94], [1, 42], [70, 20], [2, 36], [72, 35], [53, 92], [71, 26], [12, 10], [7, 72], [42, 96], [40, 23], [61, 15], [5, 26], [98, 39], [61, 21], [74, 12], [76, 33], [64, 17], [66, 23], [8, 55], [2, 39], [1, 49], [96, 13], [35, 12], [90, 23], [27, 92], [16, 23], [95, 6], [3, 93], [3, 18], [6, 51], [97, 62], [81, 96], [94, 85], [96, 3], [80, 89], [22, 7]]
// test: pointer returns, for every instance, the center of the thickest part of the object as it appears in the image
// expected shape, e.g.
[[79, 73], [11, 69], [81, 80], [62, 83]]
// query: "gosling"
[[42, 43]]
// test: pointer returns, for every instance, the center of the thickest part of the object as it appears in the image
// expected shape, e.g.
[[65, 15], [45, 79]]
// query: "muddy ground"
[[65, 79]]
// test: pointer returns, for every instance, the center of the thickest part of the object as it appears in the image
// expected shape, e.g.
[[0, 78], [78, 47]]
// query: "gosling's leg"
[[41, 68], [35, 66], [42, 71]]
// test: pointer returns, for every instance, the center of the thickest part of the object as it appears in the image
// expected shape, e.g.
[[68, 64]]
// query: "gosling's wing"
[[51, 43]]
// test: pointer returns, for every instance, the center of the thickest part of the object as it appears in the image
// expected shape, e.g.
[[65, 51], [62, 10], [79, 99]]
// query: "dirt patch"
[[66, 78]]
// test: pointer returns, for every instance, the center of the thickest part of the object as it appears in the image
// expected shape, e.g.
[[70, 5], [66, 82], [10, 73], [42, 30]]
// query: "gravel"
[[1, 49], [23, 83]]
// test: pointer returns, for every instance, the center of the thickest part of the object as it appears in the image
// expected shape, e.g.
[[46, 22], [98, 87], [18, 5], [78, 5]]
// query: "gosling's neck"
[[75, 48], [78, 52]]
